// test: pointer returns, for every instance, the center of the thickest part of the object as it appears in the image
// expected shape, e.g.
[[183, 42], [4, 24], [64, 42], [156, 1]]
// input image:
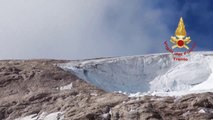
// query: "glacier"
[[154, 74]]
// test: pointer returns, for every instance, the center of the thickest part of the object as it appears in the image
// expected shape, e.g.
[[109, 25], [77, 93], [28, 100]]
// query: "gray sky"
[[73, 29]]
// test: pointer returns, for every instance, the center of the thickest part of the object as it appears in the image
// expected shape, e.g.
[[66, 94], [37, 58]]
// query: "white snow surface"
[[44, 116], [156, 74], [67, 87]]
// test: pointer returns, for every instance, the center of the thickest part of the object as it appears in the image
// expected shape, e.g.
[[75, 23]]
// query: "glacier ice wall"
[[157, 72]]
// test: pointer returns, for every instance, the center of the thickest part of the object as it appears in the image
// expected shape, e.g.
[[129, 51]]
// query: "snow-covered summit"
[[155, 74]]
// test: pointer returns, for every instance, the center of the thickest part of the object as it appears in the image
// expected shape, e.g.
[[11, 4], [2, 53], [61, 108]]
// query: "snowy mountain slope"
[[155, 74]]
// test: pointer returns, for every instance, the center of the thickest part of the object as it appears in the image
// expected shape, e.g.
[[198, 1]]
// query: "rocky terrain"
[[35, 86]]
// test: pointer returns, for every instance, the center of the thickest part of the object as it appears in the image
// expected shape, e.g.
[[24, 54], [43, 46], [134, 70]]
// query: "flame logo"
[[180, 39]]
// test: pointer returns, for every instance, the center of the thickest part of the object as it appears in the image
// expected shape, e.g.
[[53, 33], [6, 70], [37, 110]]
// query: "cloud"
[[76, 29]]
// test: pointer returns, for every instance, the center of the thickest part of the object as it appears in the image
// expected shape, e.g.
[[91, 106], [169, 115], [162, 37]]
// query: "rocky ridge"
[[35, 86]]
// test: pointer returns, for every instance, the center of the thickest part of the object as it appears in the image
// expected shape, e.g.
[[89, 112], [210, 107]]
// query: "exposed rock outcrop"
[[34, 86]]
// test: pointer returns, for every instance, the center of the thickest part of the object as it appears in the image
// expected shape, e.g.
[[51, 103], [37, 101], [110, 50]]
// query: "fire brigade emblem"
[[180, 40]]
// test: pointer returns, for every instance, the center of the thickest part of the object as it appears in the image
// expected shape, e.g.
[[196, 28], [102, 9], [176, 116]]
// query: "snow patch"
[[201, 111], [44, 116], [67, 87], [30, 117], [94, 94], [105, 116]]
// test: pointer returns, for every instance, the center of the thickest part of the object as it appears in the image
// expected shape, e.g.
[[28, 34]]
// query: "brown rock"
[[33, 86]]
